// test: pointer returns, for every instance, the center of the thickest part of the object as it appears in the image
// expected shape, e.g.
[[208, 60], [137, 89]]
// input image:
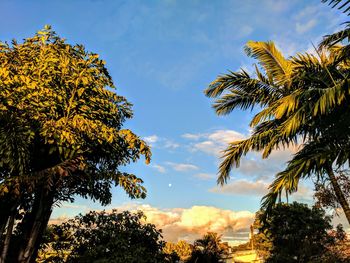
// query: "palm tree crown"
[[302, 100]]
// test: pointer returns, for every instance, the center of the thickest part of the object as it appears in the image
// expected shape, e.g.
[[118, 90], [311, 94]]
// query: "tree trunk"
[[4, 218], [338, 192], [36, 224], [5, 213], [10, 224], [41, 233]]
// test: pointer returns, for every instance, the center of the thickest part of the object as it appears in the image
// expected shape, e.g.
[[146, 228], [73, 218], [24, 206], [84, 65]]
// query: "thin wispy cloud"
[[213, 143], [159, 168], [160, 142], [304, 27], [242, 187], [151, 139], [205, 176], [182, 167]]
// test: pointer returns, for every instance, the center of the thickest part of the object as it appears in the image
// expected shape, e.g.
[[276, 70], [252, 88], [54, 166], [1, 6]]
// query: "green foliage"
[[296, 233], [105, 237], [324, 193], [339, 251], [182, 249], [57, 104], [302, 102], [262, 240], [209, 249], [60, 133]]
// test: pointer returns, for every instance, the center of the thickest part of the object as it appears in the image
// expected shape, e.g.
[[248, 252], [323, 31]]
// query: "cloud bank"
[[192, 223]]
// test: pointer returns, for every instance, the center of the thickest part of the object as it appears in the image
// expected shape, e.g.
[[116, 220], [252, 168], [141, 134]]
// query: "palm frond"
[[311, 159], [333, 39], [227, 82], [268, 202], [343, 5], [271, 59], [262, 116], [228, 102], [331, 96], [256, 142], [239, 90]]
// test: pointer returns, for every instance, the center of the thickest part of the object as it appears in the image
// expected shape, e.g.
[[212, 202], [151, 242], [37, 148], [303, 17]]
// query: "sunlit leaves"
[[58, 103], [271, 59], [300, 100], [104, 237]]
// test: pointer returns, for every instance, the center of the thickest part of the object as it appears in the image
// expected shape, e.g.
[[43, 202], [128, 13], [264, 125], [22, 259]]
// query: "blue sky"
[[162, 55]]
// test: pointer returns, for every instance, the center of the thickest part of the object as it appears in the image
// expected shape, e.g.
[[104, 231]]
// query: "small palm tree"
[[209, 249]]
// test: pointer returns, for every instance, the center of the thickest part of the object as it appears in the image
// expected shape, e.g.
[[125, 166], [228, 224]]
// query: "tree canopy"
[[294, 233], [301, 101], [105, 237], [60, 134], [209, 249]]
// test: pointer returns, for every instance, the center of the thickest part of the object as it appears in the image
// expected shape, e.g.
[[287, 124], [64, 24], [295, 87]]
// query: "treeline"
[[122, 237], [293, 233]]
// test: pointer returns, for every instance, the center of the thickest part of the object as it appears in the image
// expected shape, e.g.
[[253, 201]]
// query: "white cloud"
[[245, 30], [182, 167], [159, 142], [208, 147], [73, 206], [205, 176], [151, 139], [252, 165], [225, 136], [213, 143], [306, 26], [191, 223], [265, 169], [305, 194], [277, 6], [192, 136], [159, 168], [58, 220], [170, 144], [306, 12], [242, 187]]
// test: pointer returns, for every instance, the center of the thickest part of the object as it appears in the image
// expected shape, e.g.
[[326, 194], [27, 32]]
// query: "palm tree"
[[210, 248], [302, 100], [342, 35], [343, 5]]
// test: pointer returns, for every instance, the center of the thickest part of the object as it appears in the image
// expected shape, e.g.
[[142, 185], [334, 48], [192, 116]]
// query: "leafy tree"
[[106, 237], [339, 251], [262, 239], [60, 136], [302, 101], [181, 248], [209, 249], [324, 193], [297, 233]]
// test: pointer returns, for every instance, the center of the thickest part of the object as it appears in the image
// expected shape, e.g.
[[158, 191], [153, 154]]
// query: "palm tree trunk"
[[5, 213], [3, 222], [338, 192], [6, 245]]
